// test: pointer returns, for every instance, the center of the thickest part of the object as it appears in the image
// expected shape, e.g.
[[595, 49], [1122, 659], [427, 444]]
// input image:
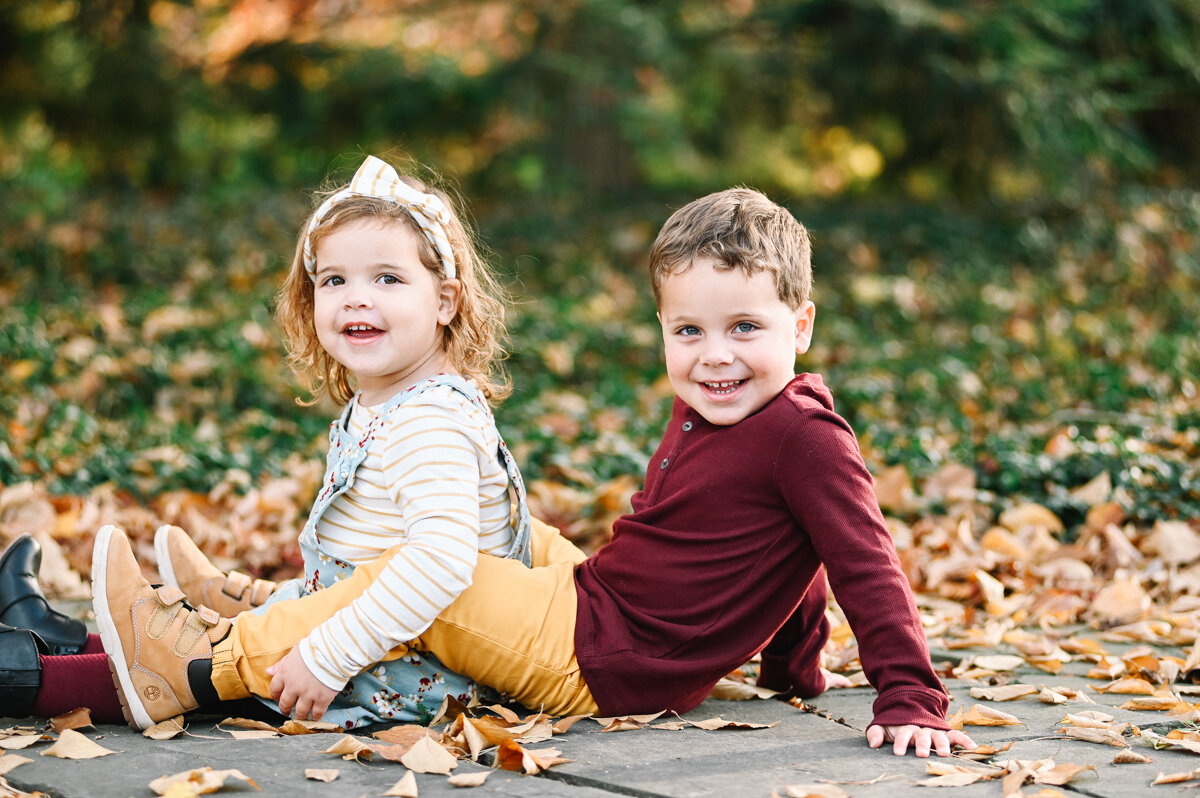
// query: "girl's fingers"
[[900, 740]]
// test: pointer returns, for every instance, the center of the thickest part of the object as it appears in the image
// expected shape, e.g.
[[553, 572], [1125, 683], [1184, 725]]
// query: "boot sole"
[[162, 553], [131, 705]]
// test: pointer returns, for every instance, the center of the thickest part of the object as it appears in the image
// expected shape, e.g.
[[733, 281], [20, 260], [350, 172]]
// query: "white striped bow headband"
[[377, 179]]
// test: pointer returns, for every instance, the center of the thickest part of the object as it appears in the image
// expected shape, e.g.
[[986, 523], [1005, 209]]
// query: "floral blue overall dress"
[[409, 689]]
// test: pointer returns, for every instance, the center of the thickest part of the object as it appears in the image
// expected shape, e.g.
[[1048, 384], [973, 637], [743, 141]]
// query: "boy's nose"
[[716, 353]]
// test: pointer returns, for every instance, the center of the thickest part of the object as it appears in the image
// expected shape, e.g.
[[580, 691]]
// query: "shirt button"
[[687, 425], [666, 462]]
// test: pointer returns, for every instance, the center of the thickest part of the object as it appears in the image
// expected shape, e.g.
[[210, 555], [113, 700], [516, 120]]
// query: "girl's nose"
[[358, 297]]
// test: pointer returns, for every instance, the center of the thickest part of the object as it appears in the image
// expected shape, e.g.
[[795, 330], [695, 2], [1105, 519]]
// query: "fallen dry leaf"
[[730, 690], [1176, 778], [627, 722], [200, 781], [165, 730], [1129, 686], [247, 723], [73, 745], [714, 724], [810, 791], [252, 734], [1088, 735], [561, 725], [1007, 692], [1088, 720], [292, 727], [321, 774], [404, 735], [426, 756], [75, 719], [511, 755], [10, 761], [980, 715], [349, 747], [469, 779], [19, 741], [406, 787], [1159, 741], [1150, 703], [1131, 758]]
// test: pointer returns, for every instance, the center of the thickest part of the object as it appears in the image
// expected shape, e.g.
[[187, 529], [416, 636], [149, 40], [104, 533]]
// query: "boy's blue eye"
[[744, 327], [689, 330]]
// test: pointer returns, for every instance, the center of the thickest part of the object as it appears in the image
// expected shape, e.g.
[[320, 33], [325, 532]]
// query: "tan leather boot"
[[150, 634], [181, 563]]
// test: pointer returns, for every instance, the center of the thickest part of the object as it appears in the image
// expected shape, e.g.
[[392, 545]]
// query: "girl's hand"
[[294, 687], [923, 739]]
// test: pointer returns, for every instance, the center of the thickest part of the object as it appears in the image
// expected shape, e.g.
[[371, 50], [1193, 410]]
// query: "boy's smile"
[[731, 342]]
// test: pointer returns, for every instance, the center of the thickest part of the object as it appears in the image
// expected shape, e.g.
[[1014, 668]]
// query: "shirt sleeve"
[[830, 492], [431, 463]]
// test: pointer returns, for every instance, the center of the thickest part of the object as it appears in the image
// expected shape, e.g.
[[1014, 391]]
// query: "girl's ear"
[[449, 295]]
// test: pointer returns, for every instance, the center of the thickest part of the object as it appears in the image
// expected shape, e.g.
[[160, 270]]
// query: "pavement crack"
[[597, 784]]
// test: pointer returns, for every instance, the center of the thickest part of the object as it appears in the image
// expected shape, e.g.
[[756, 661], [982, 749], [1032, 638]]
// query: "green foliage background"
[[1004, 197]]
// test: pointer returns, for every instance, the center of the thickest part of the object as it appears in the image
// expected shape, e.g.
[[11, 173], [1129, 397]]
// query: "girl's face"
[[378, 311]]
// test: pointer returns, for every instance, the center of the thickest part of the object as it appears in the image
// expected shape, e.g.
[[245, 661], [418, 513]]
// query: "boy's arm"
[[829, 491], [791, 661]]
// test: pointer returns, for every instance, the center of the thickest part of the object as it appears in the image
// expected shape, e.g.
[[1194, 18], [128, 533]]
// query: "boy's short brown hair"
[[742, 229]]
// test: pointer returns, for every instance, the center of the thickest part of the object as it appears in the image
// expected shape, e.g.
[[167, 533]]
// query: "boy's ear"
[[804, 326], [449, 295]]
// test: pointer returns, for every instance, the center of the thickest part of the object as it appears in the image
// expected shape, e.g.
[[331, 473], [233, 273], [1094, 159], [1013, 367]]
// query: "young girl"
[[389, 308]]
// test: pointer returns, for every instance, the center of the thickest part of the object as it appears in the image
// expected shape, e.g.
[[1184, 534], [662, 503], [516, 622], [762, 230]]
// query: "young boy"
[[756, 492]]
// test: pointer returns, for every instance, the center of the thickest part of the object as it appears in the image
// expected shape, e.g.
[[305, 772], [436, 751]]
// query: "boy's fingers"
[[922, 741], [901, 738], [941, 743], [960, 738], [875, 736]]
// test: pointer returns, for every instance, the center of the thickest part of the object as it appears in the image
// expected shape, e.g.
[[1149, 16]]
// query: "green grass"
[[139, 350]]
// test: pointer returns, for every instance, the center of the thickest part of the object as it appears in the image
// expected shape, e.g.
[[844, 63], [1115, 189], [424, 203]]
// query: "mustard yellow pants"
[[513, 629]]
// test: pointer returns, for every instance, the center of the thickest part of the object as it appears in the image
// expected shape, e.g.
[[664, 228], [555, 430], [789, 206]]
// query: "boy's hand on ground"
[[295, 688], [923, 740]]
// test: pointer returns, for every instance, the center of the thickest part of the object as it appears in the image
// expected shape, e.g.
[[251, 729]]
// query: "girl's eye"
[[389, 279], [332, 280], [744, 327]]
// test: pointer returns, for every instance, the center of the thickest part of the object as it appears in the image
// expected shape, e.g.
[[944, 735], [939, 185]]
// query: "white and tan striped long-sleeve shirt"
[[433, 481]]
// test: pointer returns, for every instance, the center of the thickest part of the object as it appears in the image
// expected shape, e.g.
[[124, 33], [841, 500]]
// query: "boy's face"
[[731, 342]]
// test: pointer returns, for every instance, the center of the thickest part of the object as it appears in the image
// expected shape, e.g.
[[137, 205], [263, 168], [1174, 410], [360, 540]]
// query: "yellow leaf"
[[729, 690], [165, 730], [406, 787], [10, 761], [348, 747], [1008, 692], [1030, 515], [469, 779], [73, 745], [1131, 758], [318, 774], [200, 781], [812, 791], [19, 741], [563, 724], [247, 723], [1061, 774], [292, 727], [75, 719], [426, 756], [980, 715], [1129, 686], [1101, 736], [712, 724], [1151, 703], [1176, 778], [512, 756]]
